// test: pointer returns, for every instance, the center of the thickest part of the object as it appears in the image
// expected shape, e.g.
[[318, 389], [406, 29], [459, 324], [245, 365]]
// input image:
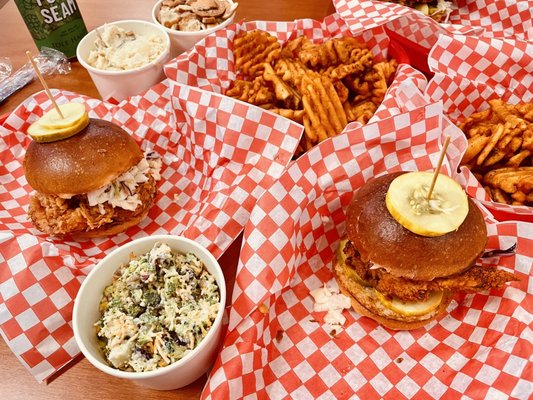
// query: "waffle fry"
[[290, 97], [322, 86], [295, 115], [499, 152], [256, 92], [516, 182], [360, 112], [253, 49]]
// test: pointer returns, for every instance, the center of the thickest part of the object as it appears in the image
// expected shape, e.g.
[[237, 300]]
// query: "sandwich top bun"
[[379, 238], [86, 161]]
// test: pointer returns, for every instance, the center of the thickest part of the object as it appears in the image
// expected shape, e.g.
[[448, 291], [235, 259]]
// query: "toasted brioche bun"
[[379, 238], [365, 302], [86, 161]]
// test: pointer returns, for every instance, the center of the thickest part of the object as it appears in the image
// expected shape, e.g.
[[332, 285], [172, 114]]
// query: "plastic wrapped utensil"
[[49, 62]]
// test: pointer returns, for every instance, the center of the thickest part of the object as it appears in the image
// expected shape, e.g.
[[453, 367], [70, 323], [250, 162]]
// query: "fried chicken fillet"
[[474, 279]]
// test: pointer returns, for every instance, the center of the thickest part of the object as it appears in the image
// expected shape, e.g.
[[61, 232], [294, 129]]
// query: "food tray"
[[210, 64], [469, 71], [214, 150], [277, 347]]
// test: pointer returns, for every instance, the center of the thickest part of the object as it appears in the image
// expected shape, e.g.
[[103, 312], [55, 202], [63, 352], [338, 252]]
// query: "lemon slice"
[[411, 307], [72, 113], [407, 202], [41, 133]]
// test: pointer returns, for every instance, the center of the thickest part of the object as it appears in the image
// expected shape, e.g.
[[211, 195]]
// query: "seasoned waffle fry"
[[360, 112], [475, 145], [510, 180], [526, 111], [252, 49], [342, 91], [362, 60], [283, 91], [290, 70], [322, 86], [499, 152], [475, 119], [255, 92], [527, 139], [295, 115], [331, 52]]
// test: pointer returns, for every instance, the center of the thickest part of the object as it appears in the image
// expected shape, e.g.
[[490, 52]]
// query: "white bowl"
[[182, 41], [122, 84], [86, 313]]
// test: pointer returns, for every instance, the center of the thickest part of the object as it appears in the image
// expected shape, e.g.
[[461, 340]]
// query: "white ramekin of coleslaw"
[[151, 312]]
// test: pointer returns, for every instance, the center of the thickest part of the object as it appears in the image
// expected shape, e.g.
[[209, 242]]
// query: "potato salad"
[[158, 308]]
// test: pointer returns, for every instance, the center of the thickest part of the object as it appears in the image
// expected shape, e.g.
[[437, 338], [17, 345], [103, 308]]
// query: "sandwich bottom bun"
[[366, 302], [110, 229]]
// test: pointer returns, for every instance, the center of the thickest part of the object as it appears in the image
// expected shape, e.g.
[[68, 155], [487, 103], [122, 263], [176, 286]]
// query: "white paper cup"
[[183, 41], [122, 84], [86, 313]]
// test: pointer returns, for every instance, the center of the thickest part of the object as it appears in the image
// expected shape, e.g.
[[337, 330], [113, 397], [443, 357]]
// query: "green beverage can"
[[54, 23]]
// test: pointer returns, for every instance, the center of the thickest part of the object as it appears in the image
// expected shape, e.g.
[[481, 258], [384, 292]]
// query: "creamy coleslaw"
[[158, 308], [122, 191]]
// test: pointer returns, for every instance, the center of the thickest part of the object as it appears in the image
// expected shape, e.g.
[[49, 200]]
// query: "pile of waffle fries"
[[322, 86], [500, 149]]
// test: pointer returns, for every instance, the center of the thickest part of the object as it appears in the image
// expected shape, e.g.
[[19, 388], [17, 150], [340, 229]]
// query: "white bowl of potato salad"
[[151, 312]]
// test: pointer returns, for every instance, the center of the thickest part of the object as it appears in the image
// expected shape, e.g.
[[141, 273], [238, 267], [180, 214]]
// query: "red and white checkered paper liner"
[[492, 17], [218, 156], [469, 71], [481, 349]]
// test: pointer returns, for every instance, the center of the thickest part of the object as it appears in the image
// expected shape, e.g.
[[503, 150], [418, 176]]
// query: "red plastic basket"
[[416, 55], [397, 51]]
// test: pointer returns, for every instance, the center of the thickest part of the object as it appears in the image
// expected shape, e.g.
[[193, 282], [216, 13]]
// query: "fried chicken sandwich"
[[95, 182], [402, 279]]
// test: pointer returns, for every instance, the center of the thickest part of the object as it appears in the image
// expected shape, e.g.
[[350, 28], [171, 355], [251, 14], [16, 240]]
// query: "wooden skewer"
[[43, 82], [436, 174]]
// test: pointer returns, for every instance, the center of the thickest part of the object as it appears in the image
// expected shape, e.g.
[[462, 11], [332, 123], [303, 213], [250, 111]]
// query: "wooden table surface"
[[80, 380]]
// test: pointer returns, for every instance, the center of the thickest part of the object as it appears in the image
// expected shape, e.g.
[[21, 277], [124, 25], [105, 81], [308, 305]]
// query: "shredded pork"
[[58, 216]]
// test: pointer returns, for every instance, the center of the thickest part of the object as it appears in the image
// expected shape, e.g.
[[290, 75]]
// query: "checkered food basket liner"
[[493, 17], [210, 65], [469, 71], [218, 156], [277, 347]]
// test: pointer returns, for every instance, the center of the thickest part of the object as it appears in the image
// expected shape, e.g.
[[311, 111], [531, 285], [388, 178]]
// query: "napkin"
[[219, 156], [493, 17], [277, 347]]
